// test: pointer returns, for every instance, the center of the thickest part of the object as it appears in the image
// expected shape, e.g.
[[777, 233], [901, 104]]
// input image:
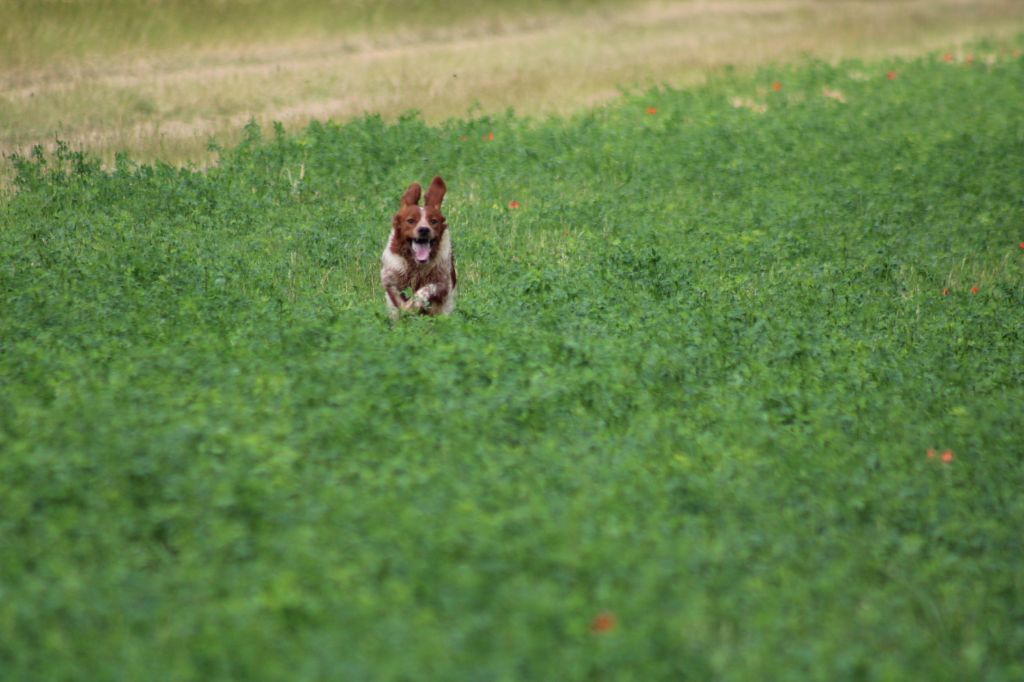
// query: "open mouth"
[[421, 250]]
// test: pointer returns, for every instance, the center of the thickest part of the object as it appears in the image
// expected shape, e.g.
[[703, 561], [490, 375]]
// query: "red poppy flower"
[[948, 57], [604, 622], [931, 453], [777, 86], [975, 290], [1022, 245], [513, 204], [651, 111], [490, 137], [948, 456], [891, 75]]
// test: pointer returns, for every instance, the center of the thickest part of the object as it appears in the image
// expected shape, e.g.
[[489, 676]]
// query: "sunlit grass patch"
[[159, 80]]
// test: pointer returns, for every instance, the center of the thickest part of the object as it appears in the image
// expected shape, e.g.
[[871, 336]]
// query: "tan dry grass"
[[169, 104]]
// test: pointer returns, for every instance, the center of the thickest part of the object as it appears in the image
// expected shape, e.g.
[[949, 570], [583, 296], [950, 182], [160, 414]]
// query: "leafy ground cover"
[[733, 391]]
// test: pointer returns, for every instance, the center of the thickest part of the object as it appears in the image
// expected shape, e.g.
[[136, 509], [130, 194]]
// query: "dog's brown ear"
[[435, 195], [412, 195]]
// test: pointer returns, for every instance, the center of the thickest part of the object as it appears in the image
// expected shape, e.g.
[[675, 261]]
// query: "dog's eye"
[[433, 221], [411, 221]]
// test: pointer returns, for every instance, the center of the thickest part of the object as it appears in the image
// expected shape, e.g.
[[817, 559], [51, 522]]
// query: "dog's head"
[[417, 230]]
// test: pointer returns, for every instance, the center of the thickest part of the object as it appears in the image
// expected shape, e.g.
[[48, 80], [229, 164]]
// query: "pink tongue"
[[421, 251]]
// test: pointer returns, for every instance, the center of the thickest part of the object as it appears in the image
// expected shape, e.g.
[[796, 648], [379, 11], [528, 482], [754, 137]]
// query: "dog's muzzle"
[[421, 248]]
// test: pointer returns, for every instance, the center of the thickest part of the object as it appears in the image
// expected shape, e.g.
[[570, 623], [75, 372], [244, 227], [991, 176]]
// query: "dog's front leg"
[[427, 297], [436, 295], [396, 297], [420, 300]]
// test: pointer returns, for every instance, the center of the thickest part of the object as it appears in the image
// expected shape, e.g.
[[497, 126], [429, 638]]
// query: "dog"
[[418, 257]]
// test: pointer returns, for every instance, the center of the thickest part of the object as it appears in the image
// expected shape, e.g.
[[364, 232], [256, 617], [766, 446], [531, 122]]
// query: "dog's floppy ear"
[[412, 195], [435, 195]]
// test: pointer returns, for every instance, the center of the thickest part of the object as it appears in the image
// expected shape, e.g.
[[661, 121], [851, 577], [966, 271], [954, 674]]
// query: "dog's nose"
[[424, 232]]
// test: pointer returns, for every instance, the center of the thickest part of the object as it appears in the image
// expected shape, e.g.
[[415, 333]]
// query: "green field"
[[677, 429]]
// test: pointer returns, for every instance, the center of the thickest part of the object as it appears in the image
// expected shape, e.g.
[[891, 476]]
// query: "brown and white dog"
[[419, 256]]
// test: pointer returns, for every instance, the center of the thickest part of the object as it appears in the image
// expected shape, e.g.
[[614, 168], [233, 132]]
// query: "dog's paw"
[[418, 301]]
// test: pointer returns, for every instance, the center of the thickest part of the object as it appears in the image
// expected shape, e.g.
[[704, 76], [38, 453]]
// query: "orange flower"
[[948, 456], [945, 292], [948, 57], [970, 59], [490, 137], [975, 290], [513, 204], [651, 111], [1022, 245], [891, 75], [777, 86], [931, 453], [604, 622]]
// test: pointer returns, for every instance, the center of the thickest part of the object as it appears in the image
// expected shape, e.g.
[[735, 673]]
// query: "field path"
[[168, 104]]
